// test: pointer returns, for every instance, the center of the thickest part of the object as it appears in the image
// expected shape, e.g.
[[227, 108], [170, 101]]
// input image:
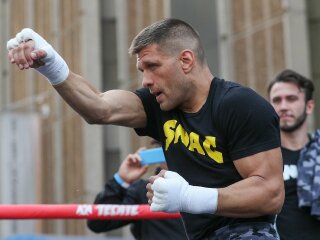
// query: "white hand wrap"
[[55, 69], [174, 194]]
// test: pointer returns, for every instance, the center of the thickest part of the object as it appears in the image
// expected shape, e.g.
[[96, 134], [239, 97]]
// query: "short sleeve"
[[151, 108], [250, 123]]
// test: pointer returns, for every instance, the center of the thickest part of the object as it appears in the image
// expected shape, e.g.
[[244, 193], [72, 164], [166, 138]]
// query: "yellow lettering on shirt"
[[176, 133], [182, 134], [195, 144], [168, 128], [209, 144]]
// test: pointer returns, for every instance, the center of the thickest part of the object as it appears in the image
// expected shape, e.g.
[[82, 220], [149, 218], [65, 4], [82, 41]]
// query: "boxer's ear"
[[187, 60]]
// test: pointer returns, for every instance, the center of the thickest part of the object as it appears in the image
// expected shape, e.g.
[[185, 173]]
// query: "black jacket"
[[141, 229]]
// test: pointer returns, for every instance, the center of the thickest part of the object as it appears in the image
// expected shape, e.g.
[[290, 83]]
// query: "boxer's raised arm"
[[29, 50], [118, 107]]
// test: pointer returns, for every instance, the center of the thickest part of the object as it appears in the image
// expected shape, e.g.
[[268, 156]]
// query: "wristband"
[[198, 200], [120, 181]]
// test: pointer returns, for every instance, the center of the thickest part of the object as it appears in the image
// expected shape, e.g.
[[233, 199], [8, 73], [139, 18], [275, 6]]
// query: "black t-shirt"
[[234, 122], [294, 223]]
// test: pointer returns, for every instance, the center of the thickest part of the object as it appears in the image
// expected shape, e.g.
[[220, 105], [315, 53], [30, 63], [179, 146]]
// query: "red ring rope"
[[81, 211]]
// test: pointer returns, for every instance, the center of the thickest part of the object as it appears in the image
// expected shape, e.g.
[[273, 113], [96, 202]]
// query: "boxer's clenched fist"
[[29, 49], [169, 192]]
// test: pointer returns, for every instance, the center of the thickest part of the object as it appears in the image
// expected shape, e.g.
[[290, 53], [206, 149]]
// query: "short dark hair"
[[172, 36], [290, 76]]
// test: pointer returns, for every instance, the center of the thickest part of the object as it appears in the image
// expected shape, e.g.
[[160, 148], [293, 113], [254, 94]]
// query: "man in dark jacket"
[[127, 187]]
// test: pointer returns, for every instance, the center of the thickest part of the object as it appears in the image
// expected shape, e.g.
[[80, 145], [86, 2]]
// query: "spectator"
[[291, 96], [127, 187]]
